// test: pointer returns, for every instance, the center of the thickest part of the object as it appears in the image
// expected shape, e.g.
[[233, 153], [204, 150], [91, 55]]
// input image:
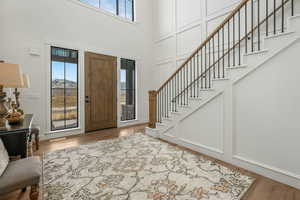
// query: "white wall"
[[36, 25]]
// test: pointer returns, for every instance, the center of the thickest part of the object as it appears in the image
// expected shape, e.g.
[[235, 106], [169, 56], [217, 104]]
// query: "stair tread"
[[221, 79], [279, 34], [236, 67], [256, 52]]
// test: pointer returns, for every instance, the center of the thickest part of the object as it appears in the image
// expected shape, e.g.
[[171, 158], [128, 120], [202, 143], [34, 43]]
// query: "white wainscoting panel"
[[164, 71], [189, 40], [188, 12], [213, 6], [164, 17], [266, 122], [165, 49], [205, 126]]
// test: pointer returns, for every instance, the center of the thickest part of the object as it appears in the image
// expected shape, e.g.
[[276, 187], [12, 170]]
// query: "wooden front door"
[[100, 92]]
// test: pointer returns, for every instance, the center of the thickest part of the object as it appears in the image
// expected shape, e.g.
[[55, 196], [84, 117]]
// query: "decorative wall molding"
[[165, 61], [200, 106], [201, 22], [219, 151]]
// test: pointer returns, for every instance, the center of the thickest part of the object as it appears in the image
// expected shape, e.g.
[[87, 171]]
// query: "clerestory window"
[[122, 8]]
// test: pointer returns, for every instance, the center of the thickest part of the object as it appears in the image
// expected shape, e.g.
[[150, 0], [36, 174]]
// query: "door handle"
[[87, 99]]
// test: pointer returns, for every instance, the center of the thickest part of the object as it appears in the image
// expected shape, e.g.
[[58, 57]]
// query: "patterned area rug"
[[137, 167]]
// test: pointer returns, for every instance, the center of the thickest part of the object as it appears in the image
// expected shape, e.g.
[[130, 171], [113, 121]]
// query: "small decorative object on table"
[[14, 116]]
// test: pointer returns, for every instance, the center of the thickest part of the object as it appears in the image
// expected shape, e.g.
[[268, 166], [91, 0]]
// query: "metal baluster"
[[233, 40], [176, 89], [187, 83], [239, 17], [282, 17], [158, 107], [218, 54], [163, 103], [167, 95], [267, 17], [214, 72], [161, 106], [274, 17], [181, 88], [228, 50], [205, 62], [167, 109], [292, 7], [223, 44], [191, 75], [258, 23], [209, 63], [201, 74], [194, 79], [198, 74], [183, 93], [166, 99], [171, 95], [246, 33], [252, 26], [174, 93]]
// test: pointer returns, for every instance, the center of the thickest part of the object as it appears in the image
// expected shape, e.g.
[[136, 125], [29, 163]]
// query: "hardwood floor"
[[262, 189]]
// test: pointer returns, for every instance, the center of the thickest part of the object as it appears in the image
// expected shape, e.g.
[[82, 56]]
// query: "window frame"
[[77, 90], [135, 91], [116, 11]]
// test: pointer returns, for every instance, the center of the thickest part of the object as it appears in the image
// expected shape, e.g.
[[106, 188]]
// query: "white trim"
[[80, 80], [60, 134], [219, 151], [132, 121], [274, 169], [201, 105], [165, 61]]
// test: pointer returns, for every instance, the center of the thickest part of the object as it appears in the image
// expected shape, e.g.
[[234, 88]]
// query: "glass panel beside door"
[[64, 88]]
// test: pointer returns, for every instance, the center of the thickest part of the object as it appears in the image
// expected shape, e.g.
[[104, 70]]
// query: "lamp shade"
[[10, 75], [26, 82]]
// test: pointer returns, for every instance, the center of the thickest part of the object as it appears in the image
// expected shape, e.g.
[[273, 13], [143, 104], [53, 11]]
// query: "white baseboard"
[[268, 171]]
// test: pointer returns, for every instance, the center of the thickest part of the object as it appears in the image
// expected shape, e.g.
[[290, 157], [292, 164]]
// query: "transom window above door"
[[122, 8]]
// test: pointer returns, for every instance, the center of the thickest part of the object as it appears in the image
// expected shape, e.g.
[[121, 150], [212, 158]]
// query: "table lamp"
[[10, 77]]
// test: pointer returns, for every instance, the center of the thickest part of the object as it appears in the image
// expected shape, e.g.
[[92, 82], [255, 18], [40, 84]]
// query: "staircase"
[[253, 33]]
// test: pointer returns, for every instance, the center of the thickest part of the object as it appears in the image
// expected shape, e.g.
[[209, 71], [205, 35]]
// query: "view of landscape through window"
[[123, 8], [64, 88], [128, 96]]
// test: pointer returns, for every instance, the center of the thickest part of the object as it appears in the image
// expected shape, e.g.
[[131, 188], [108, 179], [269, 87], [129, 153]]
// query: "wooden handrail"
[[228, 18], [225, 54]]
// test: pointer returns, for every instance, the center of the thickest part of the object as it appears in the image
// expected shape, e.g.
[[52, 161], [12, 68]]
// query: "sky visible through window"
[[125, 7], [58, 71]]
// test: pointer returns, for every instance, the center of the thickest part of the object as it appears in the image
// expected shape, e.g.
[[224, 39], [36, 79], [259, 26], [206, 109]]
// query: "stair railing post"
[[152, 109]]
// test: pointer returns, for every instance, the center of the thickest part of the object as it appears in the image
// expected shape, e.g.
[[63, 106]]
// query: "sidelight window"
[[64, 88], [128, 91]]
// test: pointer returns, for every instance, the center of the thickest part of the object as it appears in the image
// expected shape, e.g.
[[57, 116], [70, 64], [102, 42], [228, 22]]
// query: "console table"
[[15, 137]]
